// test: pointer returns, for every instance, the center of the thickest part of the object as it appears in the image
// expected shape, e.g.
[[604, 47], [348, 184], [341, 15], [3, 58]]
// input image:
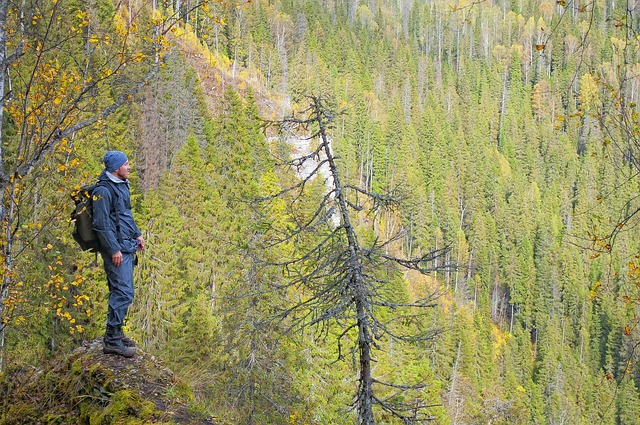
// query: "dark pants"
[[120, 281]]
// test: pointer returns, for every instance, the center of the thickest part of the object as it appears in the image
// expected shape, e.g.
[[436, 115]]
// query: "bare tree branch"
[[345, 283]]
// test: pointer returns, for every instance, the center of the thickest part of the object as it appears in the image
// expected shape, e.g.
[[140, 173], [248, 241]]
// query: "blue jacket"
[[105, 224]]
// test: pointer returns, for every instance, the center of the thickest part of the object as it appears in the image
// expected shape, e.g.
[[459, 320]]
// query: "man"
[[119, 238]]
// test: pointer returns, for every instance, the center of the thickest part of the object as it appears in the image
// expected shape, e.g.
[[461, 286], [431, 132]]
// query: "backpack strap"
[[114, 200]]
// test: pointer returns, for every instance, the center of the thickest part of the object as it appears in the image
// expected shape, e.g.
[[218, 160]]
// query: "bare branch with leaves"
[[65, 67]]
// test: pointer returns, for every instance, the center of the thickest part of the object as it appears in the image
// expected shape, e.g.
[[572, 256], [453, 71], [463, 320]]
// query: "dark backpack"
[[82, 216]]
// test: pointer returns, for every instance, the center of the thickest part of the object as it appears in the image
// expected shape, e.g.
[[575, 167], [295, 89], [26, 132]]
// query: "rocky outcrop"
[[89, 387]]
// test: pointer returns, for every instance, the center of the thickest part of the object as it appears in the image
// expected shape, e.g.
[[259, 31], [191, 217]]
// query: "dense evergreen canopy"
[[506, 132]]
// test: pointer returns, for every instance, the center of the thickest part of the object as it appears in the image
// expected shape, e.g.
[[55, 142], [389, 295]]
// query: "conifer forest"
[[355, 211]]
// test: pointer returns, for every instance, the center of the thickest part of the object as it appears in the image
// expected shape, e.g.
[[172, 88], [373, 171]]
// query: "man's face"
[[123, 172]]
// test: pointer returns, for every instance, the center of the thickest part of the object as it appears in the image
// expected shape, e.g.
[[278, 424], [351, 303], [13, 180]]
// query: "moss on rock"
[[89, 387]]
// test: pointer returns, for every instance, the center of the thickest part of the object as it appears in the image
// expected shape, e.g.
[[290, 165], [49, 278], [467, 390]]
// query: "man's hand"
[[141, 243], [116, 259]]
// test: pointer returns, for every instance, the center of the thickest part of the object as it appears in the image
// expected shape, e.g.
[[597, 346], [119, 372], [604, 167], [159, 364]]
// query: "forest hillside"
[[355, 212]]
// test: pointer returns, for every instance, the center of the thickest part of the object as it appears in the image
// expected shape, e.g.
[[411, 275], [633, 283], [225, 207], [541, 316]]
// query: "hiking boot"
[[128, 342], [113, 344]]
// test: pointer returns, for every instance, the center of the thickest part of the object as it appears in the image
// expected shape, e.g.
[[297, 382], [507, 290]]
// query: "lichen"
[[89, 387]]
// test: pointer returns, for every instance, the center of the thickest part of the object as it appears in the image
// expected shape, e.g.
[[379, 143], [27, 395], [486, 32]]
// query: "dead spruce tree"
[[342, 281]]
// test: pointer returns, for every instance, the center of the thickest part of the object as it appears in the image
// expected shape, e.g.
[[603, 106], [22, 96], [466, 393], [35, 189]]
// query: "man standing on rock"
[[120, 239]]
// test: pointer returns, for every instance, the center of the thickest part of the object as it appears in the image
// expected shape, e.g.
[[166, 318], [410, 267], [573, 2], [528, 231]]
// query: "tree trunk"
[[4, 64], [503, 105], [356, 286], [365, 391]]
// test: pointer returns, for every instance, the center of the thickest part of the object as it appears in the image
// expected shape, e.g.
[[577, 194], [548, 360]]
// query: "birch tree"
[[65, 66]]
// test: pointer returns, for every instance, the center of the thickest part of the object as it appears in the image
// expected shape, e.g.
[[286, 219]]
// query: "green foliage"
[[499, 150], [87, 387]]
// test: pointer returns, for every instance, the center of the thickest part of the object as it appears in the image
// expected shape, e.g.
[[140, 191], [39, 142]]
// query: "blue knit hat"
[[114, 160]]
